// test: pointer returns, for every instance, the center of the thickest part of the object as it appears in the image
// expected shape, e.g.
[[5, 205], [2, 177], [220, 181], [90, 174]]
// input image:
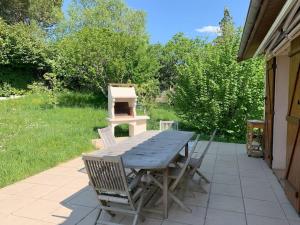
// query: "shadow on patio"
[[243, 191]]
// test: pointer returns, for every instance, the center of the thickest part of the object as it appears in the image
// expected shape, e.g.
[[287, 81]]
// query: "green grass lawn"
[[34, 137]]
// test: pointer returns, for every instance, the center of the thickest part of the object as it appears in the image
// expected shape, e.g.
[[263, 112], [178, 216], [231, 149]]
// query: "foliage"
[[34, 138], [215, 91], [45, 12], [115, 48], [106, 57], [114, 15], [147, 93], [172, 55], [24, 54], [23, 45], [50, 89], [7, 90]]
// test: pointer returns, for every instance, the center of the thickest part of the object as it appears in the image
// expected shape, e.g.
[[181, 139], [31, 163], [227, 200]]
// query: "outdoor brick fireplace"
[[122, 102]]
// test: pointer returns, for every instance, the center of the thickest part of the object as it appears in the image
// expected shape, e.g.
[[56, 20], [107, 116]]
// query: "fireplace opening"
[[123, 109]]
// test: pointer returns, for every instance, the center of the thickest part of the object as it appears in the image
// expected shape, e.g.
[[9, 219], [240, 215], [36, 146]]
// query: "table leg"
[[186, 148], [165, 192]]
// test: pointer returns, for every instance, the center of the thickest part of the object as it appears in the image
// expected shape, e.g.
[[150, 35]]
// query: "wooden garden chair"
[[195, 163], [177, 174], [111, 185], [168, 125], [107, 136]]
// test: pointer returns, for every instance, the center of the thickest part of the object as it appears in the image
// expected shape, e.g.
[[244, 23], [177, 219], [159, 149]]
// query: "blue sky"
[[192, 17]]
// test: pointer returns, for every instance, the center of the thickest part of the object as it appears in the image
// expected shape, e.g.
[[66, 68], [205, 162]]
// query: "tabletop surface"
[[148, 150]]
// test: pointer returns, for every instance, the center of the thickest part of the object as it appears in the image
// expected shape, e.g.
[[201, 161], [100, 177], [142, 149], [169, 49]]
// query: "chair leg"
[[138, 211], [202, 176]]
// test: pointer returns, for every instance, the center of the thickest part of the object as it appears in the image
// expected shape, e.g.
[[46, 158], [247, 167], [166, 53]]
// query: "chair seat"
[[193, 161]]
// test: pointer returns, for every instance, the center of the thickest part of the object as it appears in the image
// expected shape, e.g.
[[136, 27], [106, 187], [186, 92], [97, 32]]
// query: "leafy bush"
[[23, 46], [24, 55], [49, 89], [7, 90], [213, 90]]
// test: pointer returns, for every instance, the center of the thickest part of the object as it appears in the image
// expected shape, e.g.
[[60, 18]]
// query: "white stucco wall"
[[280, 109]]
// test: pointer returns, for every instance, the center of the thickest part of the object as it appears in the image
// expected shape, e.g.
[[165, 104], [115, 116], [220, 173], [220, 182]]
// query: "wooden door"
[[269, 110], [292, 185]]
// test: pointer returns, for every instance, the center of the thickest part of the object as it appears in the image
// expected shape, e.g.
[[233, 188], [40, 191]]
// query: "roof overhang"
[[261, 16]]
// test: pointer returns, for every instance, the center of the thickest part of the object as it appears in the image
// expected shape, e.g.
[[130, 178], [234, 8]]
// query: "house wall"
[[280, 109]]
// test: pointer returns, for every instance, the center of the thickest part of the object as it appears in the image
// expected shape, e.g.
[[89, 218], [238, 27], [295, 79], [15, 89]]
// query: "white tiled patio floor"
[[243, 191]]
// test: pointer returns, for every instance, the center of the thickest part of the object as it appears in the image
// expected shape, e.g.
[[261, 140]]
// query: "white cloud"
[[209, 29]]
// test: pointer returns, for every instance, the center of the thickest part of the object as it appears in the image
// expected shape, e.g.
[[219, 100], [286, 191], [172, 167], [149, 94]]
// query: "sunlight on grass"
[[34, 137]]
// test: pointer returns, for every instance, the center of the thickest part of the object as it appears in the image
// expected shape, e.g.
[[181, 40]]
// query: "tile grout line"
[[238, 167], [209, 192], [280, 205]]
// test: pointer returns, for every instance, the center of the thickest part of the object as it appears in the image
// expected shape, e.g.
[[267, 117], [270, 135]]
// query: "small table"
[[151, 150]]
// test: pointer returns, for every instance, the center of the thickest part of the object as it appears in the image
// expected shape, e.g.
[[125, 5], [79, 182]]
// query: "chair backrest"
[[168, 125], [106, 174], [107, 136], [200, 160], [186, 163]]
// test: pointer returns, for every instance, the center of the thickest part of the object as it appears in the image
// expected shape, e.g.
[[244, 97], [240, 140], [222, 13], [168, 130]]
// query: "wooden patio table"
[[152, 150]]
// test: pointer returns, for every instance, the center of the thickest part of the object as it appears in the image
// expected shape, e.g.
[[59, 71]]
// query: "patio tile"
[[86, 198], [260, 220], [220, 217], [48, 179], [196, 186], [226, 170], [228, 203], [263, 208], [65, 171], [37, 209], [36, 191], [68, 214], [226, 179], [255, 173], [226, 157], [127, 220], [259, 183], [259, 193], [78, 182], [226, 189], [15, 220], [294, 222], [15, 188], [279, 192], [166, 222], [290, 212], [92, 216], [74, 163], [62, 194], [10, 203], [195, 198], [196, 217]]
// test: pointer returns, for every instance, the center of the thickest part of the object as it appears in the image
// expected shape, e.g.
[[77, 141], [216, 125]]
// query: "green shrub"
[[7, 90], [213, 90]]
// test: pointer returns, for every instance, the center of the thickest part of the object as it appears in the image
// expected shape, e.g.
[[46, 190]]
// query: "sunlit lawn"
[[34, 137]]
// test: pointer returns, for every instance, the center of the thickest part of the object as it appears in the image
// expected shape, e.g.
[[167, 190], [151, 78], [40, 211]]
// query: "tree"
[[104, 41], [213, 90], [45, 12], [172, 55], [92, 57], [114, 15]]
